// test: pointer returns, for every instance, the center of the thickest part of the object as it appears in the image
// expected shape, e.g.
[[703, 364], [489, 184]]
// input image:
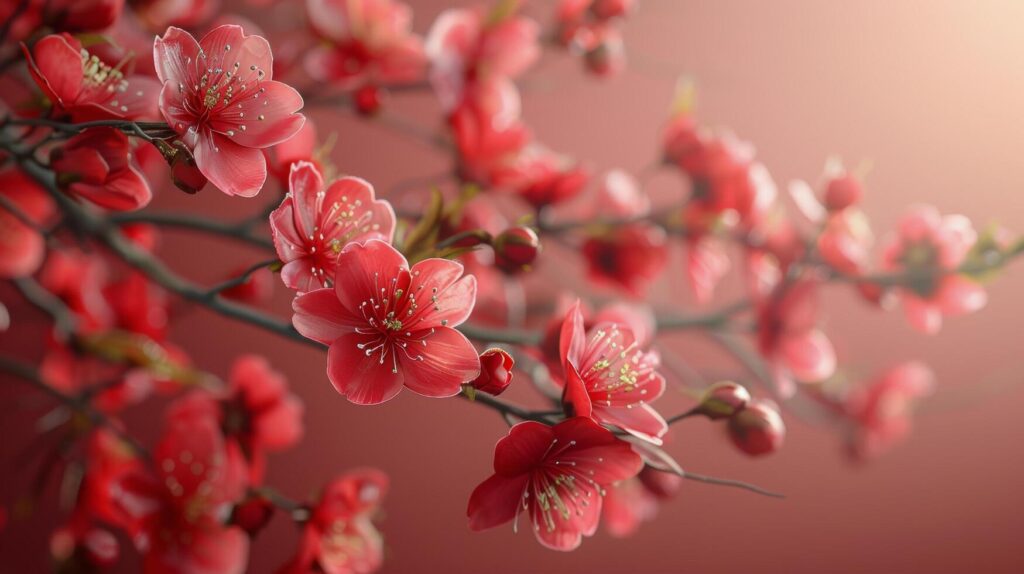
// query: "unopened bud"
[[495, 372], [516, 248], [252, 514], [757, 429], [723, 400], [368, 100], [842, 192]]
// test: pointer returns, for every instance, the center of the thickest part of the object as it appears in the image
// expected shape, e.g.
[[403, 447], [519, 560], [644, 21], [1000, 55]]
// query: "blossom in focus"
[[390, 325], [610, 378], [96, 165], [789, 338], [78, 84], [22, 247], [339, 536], [557, 476], [929, 248], [313, 224], [219, 96], [881, 411], [174, 512], [368, 43]]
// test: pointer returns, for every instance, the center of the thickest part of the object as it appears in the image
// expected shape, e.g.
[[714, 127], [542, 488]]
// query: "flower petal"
[[363, 268], [523, 448], [321, 317], [233, 169], [495, 501], [358, 376], [439, 368]]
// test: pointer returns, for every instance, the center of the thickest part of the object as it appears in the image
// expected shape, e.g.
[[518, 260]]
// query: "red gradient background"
[[929, 92]]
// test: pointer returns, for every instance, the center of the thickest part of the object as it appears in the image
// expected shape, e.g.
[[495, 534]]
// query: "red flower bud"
[[252, 514], [516, 248], [257, 287], [842, 192], [184, 171], [757, 429], [495, 372], [661, 484], [368, 100], [723, 399]]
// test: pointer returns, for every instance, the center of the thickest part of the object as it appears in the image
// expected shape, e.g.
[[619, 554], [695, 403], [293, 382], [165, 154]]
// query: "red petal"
[[448, 360], [361, 378], [320, 316], [495, 501], [233, 169]]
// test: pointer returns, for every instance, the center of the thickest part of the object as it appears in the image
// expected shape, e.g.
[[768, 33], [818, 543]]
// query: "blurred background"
[[928, 91]]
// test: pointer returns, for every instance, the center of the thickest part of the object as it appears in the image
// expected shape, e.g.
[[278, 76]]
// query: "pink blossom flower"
[[158, 14], [80, 85], [789, 337], [300, 147], [370, 43], [930, 248], [96, 165], [467, 46], [557, 475], [22, 247], [313, 225], [339, 536], [630, 256], [388, 325], [882, 410], [610, 378], [219, 95], [175, 511]]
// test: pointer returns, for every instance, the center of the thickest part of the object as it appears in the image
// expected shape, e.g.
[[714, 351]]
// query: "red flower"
[[630, 256], [112, 387], [300, 147], [339, 537], [370, 42], [81, 15], [389, 325], [465, 46], [96, 165], [789, 337], [22, 247], [219, 96], [930, 248], [158, 14], [80, 85], [313, 225], [882, 410], [175, 513], [488, 134], [557, 474], [608, 377]]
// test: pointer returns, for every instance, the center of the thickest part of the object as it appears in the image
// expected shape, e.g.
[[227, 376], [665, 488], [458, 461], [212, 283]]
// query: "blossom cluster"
[[433, 300]]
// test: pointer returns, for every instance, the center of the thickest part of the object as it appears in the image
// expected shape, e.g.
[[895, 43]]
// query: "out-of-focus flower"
[[882, 410], [588, 27], [495, 372], [631, 502], [929, 248], [609, 378], [138, 305], [301, 147], [256, 288], [630, 256], [556, 475], [757, 429], [96, 165], [79, 85], [58, 16], [789, 337], [489, 135], [313, 225], [22, 247], [219, 95], [469, 46], [175, 512], [112, 387], [159, 14], [369, 43], [388, 325], [339, 536]]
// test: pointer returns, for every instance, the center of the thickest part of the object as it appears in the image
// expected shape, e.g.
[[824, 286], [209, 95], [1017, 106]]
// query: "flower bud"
[[723, 400], [842, 192], [661, 484], [368, 100], [757, 429], [516, 248], [257, 287], [607, 56], [252, 514], [495, 372]]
